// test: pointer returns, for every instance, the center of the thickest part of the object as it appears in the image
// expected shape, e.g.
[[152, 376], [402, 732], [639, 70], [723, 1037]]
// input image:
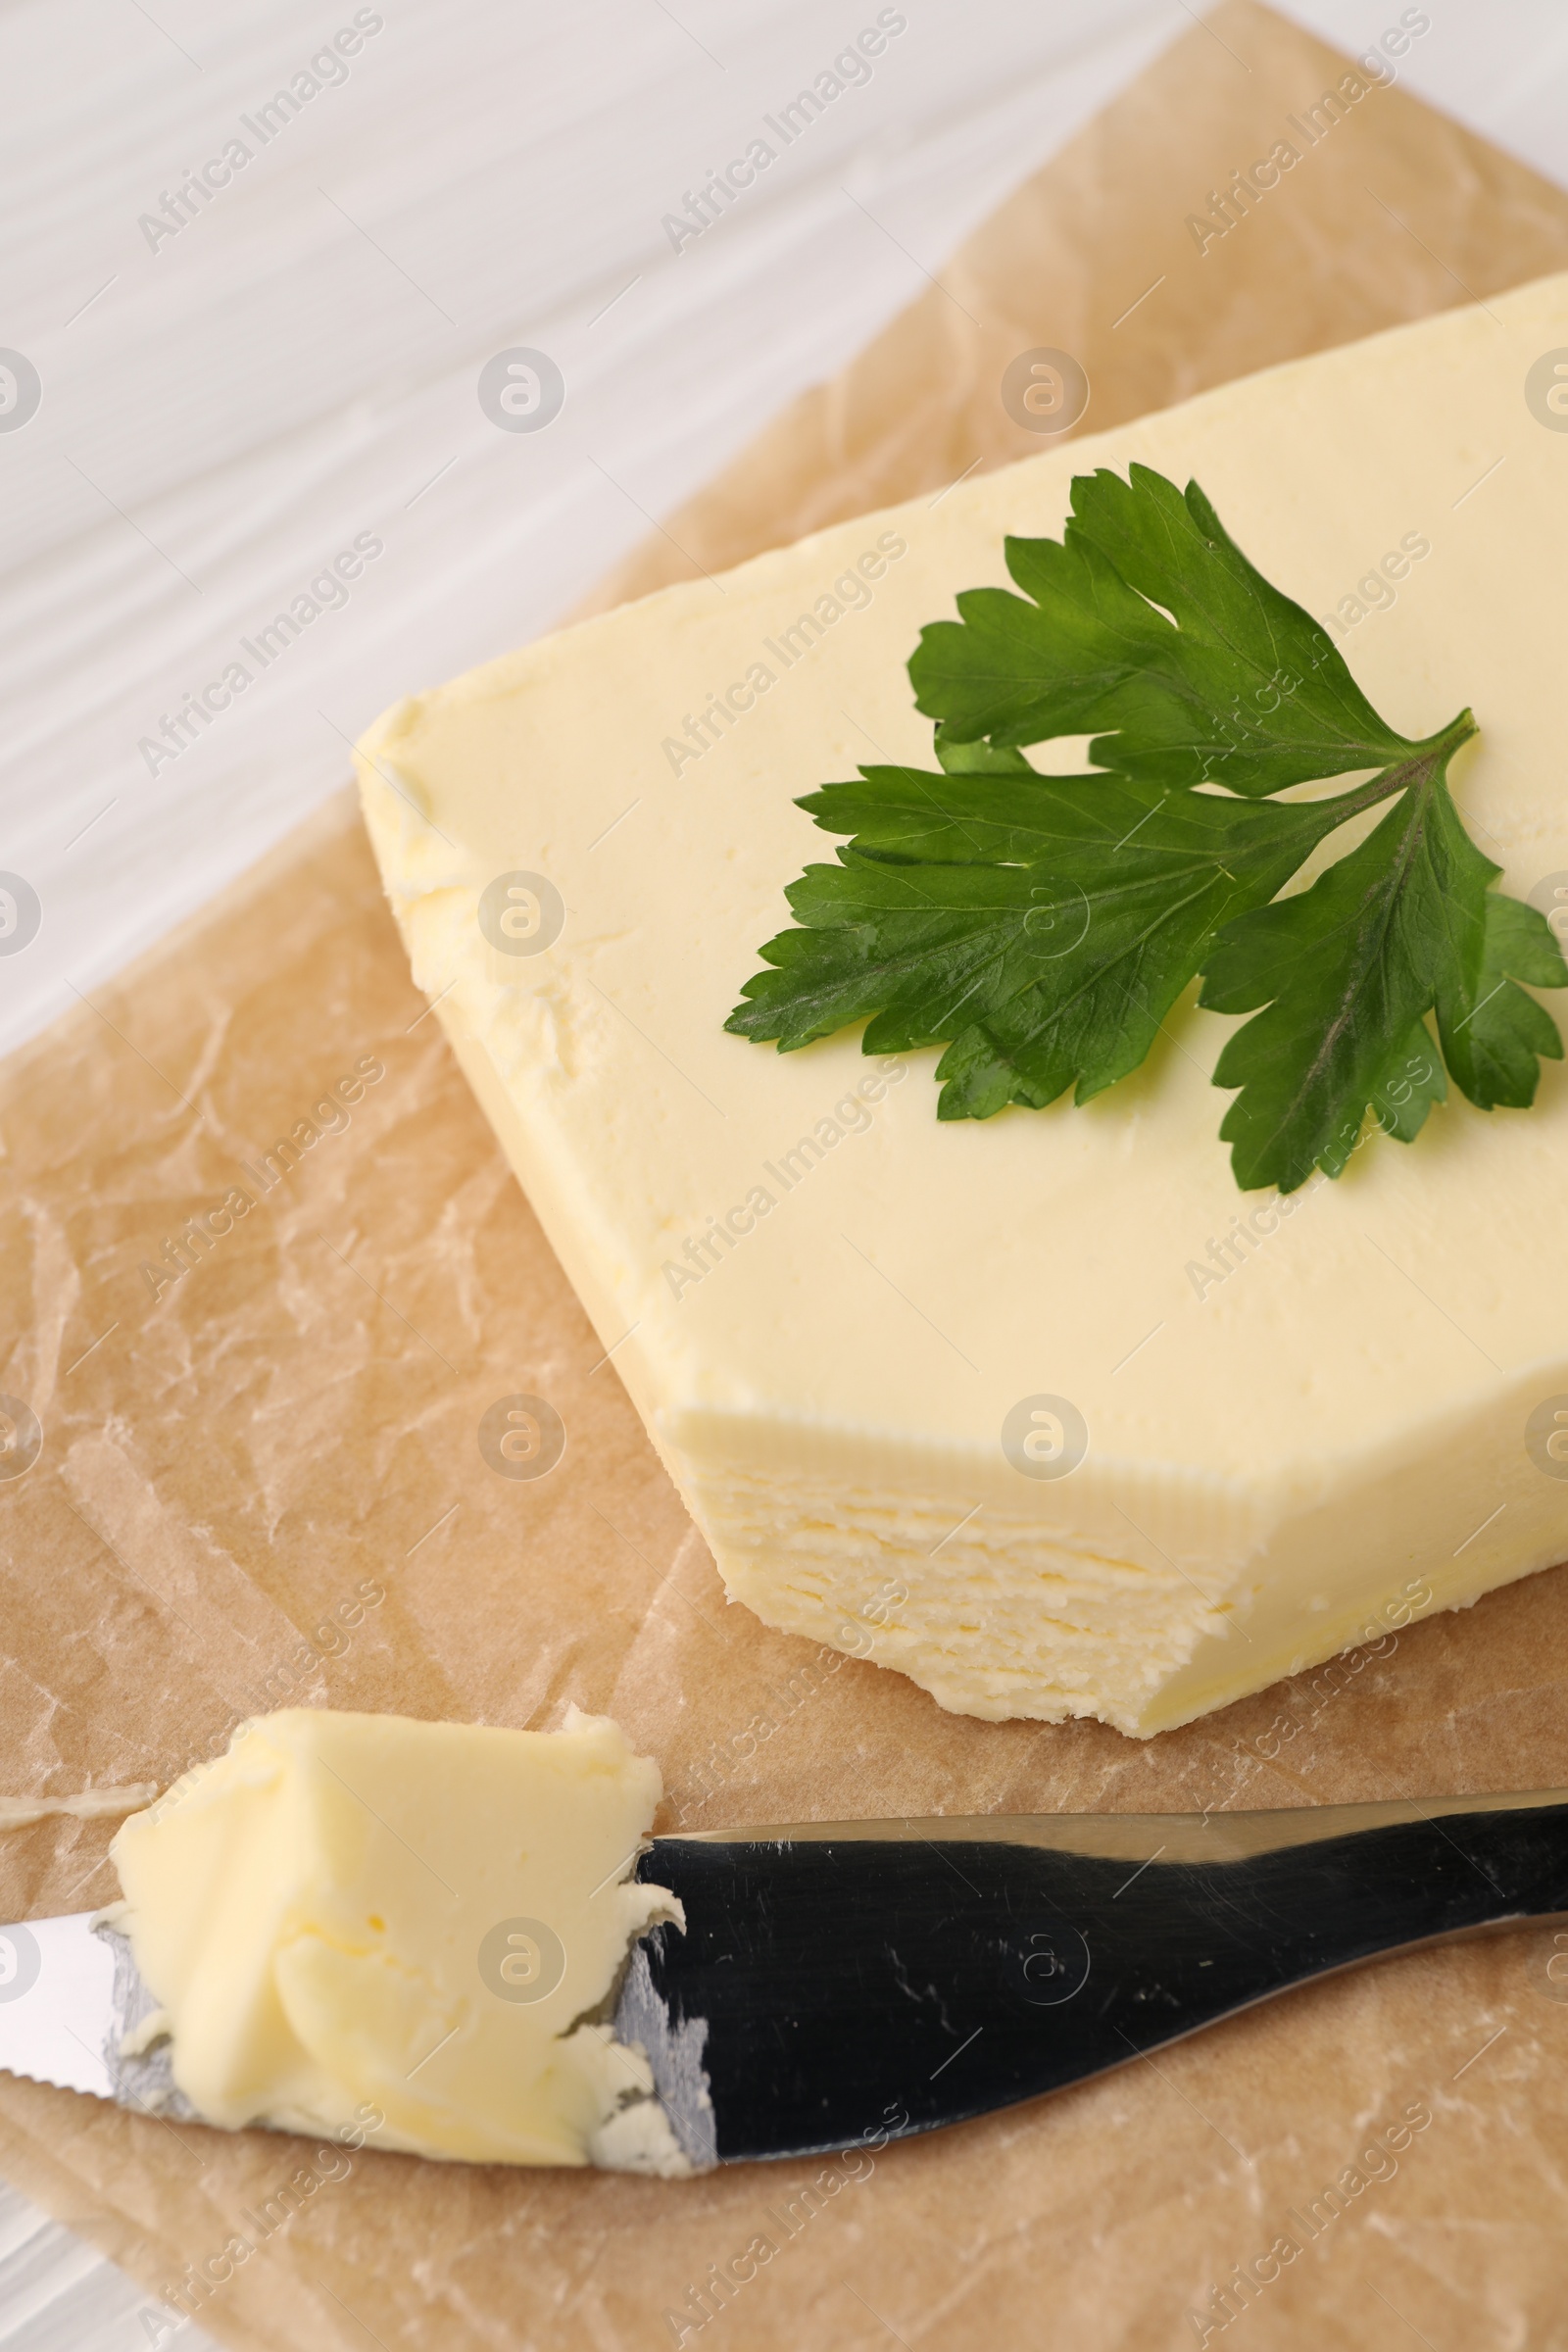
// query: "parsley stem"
[[1425, 760]]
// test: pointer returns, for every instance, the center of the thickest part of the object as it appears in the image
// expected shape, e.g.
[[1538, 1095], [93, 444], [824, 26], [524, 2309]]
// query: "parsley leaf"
[[1044, 925], [1237, 686], [1041, 927], [1346, 970]]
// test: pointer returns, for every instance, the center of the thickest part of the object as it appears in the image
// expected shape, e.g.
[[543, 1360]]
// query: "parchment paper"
[[271, 1470]]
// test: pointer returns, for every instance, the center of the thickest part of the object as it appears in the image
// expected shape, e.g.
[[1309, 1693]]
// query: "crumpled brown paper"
[[265, 1483]]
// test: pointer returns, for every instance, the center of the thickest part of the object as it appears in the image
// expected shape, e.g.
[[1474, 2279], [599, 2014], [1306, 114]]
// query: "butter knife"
[[851, 1982]]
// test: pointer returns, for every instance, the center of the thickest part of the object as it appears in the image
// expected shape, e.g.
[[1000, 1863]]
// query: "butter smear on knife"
[[428, 1917]]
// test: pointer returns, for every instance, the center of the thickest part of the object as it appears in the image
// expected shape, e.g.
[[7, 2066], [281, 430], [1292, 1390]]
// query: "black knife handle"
[[856, 1985]]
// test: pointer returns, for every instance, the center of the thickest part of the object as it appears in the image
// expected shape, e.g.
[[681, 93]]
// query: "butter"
[[355, 1914], [87, 1804], [864, 1341]]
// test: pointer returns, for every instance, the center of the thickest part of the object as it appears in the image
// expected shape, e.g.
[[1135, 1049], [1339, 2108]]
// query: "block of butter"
[[347, 1915], [1043, 1411]]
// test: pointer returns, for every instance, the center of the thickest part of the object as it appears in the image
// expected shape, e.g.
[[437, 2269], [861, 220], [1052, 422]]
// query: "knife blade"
[[71, 1995], [858, 1981]]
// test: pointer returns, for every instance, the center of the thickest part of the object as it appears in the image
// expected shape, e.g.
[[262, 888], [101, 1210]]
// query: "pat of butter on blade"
[[425, 1918]]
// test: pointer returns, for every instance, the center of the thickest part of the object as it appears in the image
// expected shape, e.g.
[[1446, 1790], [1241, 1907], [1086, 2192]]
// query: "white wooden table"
[[238, 386]]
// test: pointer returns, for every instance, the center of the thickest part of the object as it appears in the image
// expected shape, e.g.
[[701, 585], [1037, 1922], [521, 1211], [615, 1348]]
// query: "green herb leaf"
[[1041, 927], [1492, 1037], [1145, 619], [1346, 970], [1044, 925]]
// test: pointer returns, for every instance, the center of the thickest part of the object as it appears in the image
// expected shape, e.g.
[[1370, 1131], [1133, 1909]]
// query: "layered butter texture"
[[349, 1916], [1302, 1421]]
